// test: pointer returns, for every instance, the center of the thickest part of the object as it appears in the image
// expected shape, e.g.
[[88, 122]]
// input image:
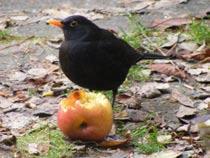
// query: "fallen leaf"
[[200, 95], [4, 94], [46, 110], [171, 40], [163, 24], [166, 154], [123, 115], [22, 120], [37, 73], [183, 99], [130, 100], [20, 96], [6, 137], [5, 23], [204, 132], [197, 71], [206, 88], [17, 76], [204, 104], [48, 93], [203, 78], [204, 13], [149, 91], [137, 115], [198, 55], [33, 149], [169, 69], [177, 52], [207, 154], [140, 6], [113, 142], [79, 147], [113, 130], [185, 111], [51, 58], [200, 119], [54, 45], [190, 46], [30, 105], [188, 128], [19, 17], [166, 3], [164, 139], [58, 13], [5, 103]]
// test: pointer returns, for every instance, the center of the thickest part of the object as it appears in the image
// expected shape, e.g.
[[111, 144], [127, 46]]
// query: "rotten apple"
[[85, 116]]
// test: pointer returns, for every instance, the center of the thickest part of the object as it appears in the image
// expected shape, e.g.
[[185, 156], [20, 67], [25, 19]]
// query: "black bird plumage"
[[94, 58]]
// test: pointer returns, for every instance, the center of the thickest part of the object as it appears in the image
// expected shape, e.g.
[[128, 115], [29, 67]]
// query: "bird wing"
[[117, 49]]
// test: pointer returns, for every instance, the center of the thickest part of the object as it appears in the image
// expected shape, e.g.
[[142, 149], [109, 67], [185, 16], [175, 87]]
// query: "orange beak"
[[54, 22]]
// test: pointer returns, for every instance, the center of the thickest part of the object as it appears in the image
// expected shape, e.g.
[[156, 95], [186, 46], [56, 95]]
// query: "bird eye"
[[73, 23]]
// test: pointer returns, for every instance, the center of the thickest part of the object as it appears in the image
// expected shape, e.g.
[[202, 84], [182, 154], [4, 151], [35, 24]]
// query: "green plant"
[[135, 74], [137, 32], [32, 92], [48, 138], [200, 32], [145, 139], [120, 127], [4, 34]]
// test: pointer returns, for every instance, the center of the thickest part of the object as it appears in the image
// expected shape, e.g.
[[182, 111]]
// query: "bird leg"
[[114, 93]]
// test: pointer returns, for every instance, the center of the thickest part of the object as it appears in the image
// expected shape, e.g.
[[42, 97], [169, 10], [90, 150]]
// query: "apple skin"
[[85, 122]]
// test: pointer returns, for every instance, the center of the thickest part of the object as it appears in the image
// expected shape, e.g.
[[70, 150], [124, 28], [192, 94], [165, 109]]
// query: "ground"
[[164, 105]]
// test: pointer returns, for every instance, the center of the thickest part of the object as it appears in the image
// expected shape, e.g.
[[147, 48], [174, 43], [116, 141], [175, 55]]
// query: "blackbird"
[[94, 58]]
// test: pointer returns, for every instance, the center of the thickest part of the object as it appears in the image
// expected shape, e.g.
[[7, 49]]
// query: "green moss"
[[50, 138], [32, 92], [6, 37], [200, 32], [4, 34]]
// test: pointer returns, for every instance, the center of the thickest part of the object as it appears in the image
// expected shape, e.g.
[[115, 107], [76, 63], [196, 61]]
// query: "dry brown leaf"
[[166, 154], [163, 24], [20, 96], [169, 69], [4, 94], [123, 115], [129, 100], [183, 99], [203, 13], [137, 115], [185, 111], [116, 142], [200, 55]]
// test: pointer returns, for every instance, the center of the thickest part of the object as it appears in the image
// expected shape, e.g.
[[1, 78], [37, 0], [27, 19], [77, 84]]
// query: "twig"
[[17, 44], [188, 86]]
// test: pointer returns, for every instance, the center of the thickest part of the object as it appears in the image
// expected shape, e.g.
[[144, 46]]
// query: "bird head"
[[75, 27]]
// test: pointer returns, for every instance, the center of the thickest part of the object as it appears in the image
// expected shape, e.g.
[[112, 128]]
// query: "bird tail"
[[145, 56], [151, 56]]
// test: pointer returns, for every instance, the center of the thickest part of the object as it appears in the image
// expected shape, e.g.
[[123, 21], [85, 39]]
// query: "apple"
[[85, 116]]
